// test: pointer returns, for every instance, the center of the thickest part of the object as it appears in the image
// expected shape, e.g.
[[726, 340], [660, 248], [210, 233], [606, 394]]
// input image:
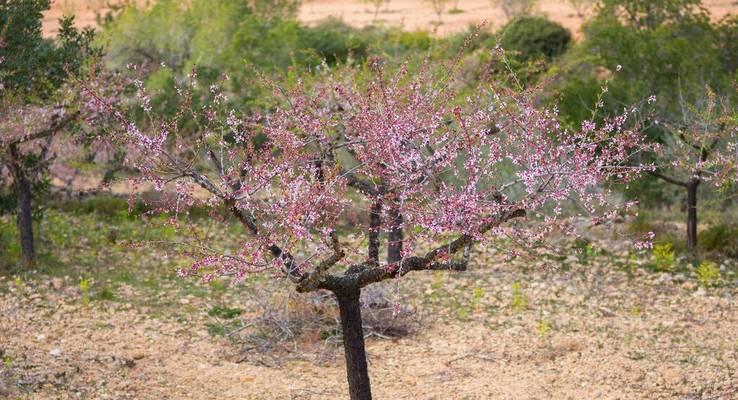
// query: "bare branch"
[[668, 179]]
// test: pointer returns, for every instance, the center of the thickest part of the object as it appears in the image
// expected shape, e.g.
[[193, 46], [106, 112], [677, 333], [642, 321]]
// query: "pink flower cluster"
[[296, 174]]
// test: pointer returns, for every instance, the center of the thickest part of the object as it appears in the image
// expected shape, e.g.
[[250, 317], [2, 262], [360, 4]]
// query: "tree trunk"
[[692, 215], [353, 345], [375, 224], [395, 237], [25, 217]]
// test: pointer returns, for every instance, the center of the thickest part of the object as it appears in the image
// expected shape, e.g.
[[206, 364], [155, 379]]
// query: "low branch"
[[312, 280], [52, 129], [363, 275], [668, 179]]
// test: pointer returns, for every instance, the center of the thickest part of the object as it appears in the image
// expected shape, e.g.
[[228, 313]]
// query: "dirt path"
[[409, 14], [587, 331]]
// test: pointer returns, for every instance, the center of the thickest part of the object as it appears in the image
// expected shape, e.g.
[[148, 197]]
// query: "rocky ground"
[[595, 325]]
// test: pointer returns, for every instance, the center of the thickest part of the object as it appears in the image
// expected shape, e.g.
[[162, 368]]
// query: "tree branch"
[[52, 129], [362, 276], [312, 280], [668, 179]]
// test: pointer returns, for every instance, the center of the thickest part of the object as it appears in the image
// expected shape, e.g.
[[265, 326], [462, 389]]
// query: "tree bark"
[[25, 217], [353, 345], [692, 215], [375, 224], [395, 236]]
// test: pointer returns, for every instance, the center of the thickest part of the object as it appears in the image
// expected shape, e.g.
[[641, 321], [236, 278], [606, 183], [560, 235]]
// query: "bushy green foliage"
[[664, 258], [227, 36], [720, 239], [654, 42], [669, 49], [533, 38], [32, 66], [708, 273]]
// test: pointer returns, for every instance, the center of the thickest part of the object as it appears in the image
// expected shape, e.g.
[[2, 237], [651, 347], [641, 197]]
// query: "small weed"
[[544, 327], [217, 287], [635, 312], [8, 361], [224, 312], [520, 302], [476, 299], [664, 258], [19, 285], [218, 329], [84, 288], [584, 250], [215, 329], [106, 293], [708, 273]]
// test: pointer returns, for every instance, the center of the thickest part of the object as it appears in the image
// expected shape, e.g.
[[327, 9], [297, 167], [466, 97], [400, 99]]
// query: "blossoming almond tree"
[[459, 172], [701, 146]]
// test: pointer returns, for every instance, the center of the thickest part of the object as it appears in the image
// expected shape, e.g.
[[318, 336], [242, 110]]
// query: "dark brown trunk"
[[353, 345], [375, 224], [25, 215], [395, 237], [692, 215]]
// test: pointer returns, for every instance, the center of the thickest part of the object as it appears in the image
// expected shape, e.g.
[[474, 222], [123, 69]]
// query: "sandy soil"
[[585, 331], [409, 14]]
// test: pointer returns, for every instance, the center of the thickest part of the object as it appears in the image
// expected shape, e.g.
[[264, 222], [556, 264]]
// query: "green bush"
[[534, 38], [334, 41], [708, 274], [720, 239], [664, 258]]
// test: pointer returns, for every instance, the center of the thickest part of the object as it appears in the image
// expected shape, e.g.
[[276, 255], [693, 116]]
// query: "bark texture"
[[692, 215], [353, 344]]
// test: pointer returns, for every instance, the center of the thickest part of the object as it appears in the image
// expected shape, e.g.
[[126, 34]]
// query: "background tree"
[[439, 6], [459, 172], [650, 43], [515, 8], [377, 6], [33, 72], [581, 7]]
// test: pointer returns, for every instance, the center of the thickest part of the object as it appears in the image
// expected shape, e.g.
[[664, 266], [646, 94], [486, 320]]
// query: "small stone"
[[184, 301], [688, 285], [55, 352], [701, 292]]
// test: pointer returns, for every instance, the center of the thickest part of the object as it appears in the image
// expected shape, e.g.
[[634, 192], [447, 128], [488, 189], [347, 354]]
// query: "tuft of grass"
[[225, 312], [477, 296], [635, 311], [84, 287], [106, 293], [520, 302], [544, 328]]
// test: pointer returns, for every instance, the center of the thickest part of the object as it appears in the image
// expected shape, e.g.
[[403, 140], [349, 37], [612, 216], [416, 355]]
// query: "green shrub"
[[664, 258], [334, 41], [708, 273], [533, 38], [720, 239]]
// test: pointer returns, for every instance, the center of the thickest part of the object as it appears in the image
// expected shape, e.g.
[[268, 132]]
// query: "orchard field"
[[284, 199]]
